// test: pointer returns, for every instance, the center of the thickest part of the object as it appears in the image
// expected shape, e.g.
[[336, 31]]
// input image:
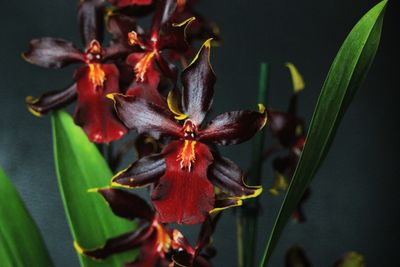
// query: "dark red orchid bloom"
[[186, 171], [289, 130], [93, 81], [163, 36], [157, 242]]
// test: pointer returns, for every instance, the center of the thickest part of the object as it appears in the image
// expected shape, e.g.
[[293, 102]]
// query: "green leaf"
[[344, 78], [81, 167], [20, 241]]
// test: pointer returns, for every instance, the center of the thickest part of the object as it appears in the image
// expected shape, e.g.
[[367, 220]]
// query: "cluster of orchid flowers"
[[133, 84]]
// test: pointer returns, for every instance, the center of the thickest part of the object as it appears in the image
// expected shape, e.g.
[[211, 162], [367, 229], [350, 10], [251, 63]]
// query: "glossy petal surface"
[[184, 196], [233, 127], [52, 53], [94, 111]]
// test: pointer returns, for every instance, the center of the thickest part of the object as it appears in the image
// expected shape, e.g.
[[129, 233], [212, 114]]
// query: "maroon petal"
[[124, 3], [201, 261], [227, 176], [184, 195], [234, 127], [94, 112], [127, 205], [51, 100], [146, 117], [52, 53], [285, 127], [198, 81], [174, 37], [118, 244], [91, 20], [142, 172], [164, 10]]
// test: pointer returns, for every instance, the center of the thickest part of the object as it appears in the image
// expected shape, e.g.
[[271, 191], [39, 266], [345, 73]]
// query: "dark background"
[[355, 197]]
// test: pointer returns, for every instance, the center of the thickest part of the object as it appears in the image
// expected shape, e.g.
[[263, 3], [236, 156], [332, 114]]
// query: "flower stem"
[[249, 213]]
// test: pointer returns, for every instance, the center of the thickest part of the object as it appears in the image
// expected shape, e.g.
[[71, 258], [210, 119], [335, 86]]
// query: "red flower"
[[187, 169], [93, 81], [156, 241], [163, 35], [124, 3]]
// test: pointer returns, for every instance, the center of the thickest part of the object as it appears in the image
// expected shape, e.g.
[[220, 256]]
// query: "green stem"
[[247, 224]]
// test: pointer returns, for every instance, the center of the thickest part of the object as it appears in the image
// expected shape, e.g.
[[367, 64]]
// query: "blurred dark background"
[[354, 204]]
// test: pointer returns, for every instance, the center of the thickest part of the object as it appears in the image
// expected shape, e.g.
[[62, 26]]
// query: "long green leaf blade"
[[81, 167], [344, 78], [20, 241]]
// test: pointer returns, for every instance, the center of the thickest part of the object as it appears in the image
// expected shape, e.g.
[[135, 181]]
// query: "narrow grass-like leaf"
[[81, 167], [344, 78], [20, 241]]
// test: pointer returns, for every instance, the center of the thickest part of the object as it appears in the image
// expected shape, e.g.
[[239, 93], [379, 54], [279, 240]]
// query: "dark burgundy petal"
[[142, 172], [52, 53], [226, 175], [174, 37], [91, 20], [124, 3], [146, 145], [296, 257], [127, 205], [207, 229], [51, 100], [285, 127], [118, 244], [234, 127], [184, 195], [94, 112], [164, 10], [198, 81], [146, 117]]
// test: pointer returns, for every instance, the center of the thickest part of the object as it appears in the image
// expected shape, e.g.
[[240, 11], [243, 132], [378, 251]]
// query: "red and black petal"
[[142, 172], [124, 3], [184, 195], [233, 127], [127, 205], [51, 100], [52, 53], [91, 20], [227, 176], [119, 244], [198, 81], [146, 117], [94, 112]]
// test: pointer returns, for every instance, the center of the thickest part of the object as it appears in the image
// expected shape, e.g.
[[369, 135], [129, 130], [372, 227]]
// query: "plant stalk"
[[248, 216]]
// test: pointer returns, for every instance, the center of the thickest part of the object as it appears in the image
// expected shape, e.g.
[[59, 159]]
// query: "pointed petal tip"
[[184, 23], [297, 78], [78, 248], [30, 100]]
